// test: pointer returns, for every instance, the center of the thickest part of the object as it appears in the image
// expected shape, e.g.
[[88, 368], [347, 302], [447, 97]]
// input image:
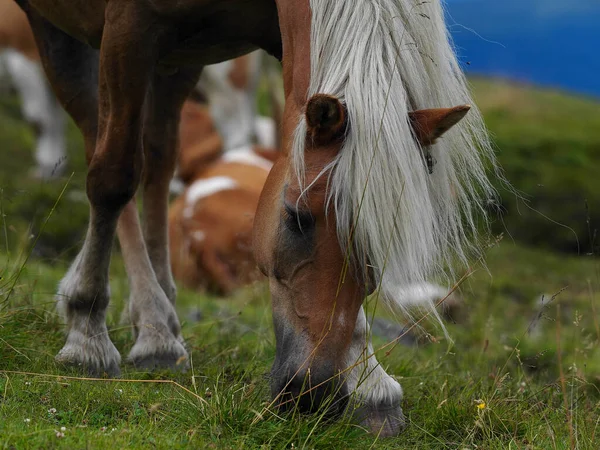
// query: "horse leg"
[[153, 292], [115, 168], [377, 395], [72, 70], [156, 327], [161, 133], [83, 294]]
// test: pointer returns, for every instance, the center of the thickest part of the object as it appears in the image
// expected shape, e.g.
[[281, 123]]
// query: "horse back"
[[216, 29]]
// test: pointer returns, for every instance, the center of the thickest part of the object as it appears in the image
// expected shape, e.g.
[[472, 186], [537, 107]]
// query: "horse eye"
[[299, 222]]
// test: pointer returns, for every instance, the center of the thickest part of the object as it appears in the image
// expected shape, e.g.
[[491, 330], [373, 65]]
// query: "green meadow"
[[521, 369]]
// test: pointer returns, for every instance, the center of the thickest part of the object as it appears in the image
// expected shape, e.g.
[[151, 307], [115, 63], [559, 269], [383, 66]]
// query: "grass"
[[224, 400], [521, 373]]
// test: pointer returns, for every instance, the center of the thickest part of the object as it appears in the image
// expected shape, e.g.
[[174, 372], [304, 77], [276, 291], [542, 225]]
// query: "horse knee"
[[112, 184]]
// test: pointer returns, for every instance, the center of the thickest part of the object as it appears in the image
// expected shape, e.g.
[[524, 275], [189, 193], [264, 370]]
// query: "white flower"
[[60, 434], [63, 429], [52, 411], [28, 383], [27, 420]]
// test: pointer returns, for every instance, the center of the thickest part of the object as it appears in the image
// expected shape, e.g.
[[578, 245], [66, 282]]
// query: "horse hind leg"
[[157, 331], [153, 292], [161, 136]]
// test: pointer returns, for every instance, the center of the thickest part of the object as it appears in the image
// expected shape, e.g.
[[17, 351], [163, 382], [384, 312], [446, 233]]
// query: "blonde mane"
[[382, 59]]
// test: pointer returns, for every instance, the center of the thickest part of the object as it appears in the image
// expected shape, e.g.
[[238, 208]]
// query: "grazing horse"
[[363, 198], [39, 105]]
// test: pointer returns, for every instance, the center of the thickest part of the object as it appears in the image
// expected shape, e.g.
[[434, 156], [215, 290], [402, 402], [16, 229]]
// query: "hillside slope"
[[549, 147]]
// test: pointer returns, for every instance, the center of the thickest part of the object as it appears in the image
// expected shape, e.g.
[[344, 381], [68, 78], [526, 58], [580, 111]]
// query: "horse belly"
[[82, 19], [213, 31]]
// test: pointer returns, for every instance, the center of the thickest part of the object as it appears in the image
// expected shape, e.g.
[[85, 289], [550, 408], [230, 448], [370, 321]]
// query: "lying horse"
[[231, 90], [39, 105], [210, 224], [363, 198]]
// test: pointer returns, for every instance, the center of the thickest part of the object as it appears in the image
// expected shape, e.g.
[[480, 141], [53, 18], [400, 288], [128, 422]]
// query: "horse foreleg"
[[153, 292], [83, 294], [377, 396]]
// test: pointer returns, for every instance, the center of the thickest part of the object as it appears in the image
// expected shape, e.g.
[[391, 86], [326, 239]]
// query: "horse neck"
[[295, 24]]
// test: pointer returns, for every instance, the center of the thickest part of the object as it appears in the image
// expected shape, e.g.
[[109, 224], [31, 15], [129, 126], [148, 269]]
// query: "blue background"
[[554, 43]]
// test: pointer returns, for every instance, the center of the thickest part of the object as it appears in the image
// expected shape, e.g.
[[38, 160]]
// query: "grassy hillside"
[[521, 373], [549, 147], [523, 370], [25, 202]]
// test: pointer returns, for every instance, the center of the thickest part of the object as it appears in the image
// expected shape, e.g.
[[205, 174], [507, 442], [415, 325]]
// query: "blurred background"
[[541, 108], [534, 67]]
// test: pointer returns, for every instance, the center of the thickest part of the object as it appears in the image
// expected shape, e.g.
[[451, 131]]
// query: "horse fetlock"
[[76, 295], [89, 348], [150, 305], [156, 347]]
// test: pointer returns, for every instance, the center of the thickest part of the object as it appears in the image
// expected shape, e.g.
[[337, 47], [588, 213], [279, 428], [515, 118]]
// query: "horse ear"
[[326, 118], [430, 124]]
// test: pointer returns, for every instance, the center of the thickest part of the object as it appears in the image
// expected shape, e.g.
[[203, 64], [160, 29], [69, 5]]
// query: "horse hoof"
[[160, 361], [167, 355], [96, 357], [382, 420]]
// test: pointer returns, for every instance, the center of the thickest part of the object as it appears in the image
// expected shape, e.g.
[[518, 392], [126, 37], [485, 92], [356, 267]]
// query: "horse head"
[[352, 206]]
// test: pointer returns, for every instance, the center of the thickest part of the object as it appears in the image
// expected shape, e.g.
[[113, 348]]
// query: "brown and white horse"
[[356, 203], [210, 224], [231, 90], [40, 108]]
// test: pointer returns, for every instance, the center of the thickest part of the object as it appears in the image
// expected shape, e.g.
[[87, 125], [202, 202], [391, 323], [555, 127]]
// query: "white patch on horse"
[[427, 294], [208, 186], [199, 235], [246, 155], [367, 379], [266, 132], [411, 226]]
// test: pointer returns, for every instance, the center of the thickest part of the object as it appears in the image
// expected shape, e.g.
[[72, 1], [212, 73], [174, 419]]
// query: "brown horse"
[[356, 204]]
